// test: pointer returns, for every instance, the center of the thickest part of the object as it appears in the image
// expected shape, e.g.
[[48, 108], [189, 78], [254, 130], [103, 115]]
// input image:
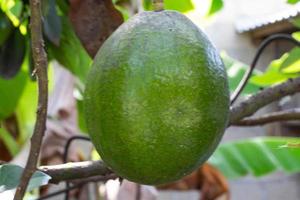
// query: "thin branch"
[[263, 98], [259, 52], [286, 115], [81, 170], [77, 170], [94, 179], [40, 62]]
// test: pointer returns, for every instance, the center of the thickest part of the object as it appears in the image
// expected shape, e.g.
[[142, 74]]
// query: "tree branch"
[[286, 115], [82, 170], [40, 62], [77, 170], [263, 98]]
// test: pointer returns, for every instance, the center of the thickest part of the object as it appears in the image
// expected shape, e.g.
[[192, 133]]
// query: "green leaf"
[[293, 1], [179, 5], [10, 177], [296, 35], [292, 63], [12, 54], [215, 6], [9, 142], [11, 91], [26, 110], [296, 22], [52, 22], [235, 71], [13, 9], [70, 53], [5, 27], [257, 156], [273, 74]]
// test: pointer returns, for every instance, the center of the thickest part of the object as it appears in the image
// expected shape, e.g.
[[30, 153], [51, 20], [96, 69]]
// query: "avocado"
[[157, 98]]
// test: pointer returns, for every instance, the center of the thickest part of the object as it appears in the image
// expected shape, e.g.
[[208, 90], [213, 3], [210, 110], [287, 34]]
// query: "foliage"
[[9, 141], [215, 6], [282, 69], [10, 177], [70, 52], [235, 71], [293, 1], [11, 91], [179, 5], [257, 156]]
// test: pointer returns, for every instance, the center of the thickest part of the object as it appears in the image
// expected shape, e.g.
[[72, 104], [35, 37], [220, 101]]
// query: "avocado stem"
[[158, 5]]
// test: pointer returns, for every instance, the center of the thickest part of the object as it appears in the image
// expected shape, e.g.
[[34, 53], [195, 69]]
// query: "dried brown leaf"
[[207, 179], [94, 21]]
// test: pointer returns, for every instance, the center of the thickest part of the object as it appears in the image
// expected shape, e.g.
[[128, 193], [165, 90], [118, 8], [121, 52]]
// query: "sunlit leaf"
[[293, 1], [13, 9], [10, 93], [179, 5], [215, 6], [27, 106], [292, 63], [296, 35], [9, 141], [10, 177], [273, 74], [257, 157], [236, 70]]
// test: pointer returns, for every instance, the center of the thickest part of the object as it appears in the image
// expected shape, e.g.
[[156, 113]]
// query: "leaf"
[[94, 21], [293, 1], [273, 74], [5, 28], [52, 22], [10, 177], [292, 63], [215, 6], [296, 35], [296, 22], [9, 142], [26, 110], [70, 52], [235, 71], [179, 5], [13, 9], [12, 54], [257, 156], [11, 91]]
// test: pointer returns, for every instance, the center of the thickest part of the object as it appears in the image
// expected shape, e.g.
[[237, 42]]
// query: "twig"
[[262, 98], [40, 61], [259, 52], [80, 184], [286, 115], [77, 170], [65, 156]]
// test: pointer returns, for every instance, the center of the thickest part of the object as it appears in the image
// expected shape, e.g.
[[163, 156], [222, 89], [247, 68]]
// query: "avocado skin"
[[156, 99]]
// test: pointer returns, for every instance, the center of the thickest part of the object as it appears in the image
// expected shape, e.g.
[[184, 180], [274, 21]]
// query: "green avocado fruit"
[[157, 98]]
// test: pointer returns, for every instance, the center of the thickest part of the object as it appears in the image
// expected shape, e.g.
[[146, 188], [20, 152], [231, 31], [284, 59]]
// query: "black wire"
[[65, 156], [260, 50], [66, 190]]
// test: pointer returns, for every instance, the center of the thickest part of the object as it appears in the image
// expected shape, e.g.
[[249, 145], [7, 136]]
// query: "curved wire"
[[260, 50], [65, 157]]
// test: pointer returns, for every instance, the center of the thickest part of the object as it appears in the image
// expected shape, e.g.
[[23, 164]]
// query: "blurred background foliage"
[[18, 90]]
